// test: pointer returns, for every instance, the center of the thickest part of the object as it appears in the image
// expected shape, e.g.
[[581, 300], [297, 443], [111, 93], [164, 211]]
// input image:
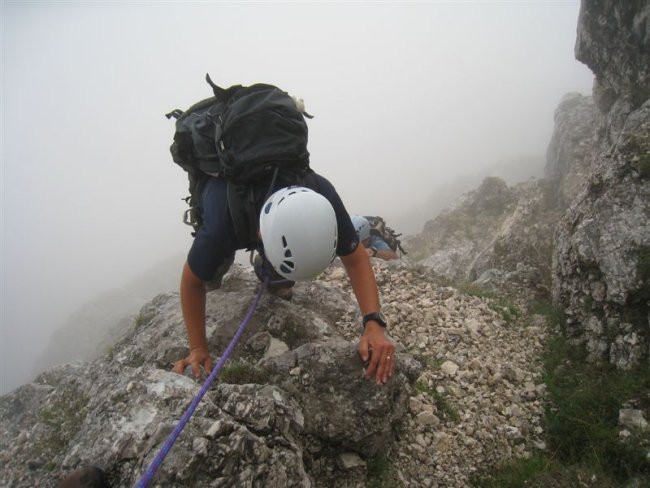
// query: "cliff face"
[[569, 154], [601, 262]]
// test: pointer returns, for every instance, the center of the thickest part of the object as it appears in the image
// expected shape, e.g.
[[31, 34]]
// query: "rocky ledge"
[[292, 408]]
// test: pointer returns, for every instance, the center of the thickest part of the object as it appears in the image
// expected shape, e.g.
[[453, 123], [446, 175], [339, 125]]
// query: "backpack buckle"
[[189, 217]]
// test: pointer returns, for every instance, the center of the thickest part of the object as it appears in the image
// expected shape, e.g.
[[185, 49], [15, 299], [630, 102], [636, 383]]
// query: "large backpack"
[[246, 135], [379, 228]]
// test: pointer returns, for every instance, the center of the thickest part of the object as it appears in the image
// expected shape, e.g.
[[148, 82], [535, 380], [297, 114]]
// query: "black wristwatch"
[[377, 317]]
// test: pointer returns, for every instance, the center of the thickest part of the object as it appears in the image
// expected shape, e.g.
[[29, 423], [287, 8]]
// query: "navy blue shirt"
[[216, 240]]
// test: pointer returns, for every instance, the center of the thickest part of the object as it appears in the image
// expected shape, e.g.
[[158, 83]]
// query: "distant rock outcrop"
[[602, 258], [494, 235]]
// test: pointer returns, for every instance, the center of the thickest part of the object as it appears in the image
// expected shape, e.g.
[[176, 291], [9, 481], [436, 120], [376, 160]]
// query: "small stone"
[[219, 428], [632, 419], [513, 433], [419, 438], [540, 445], [200, 446], [475, 364], [427, 418], [350, 460], [415, 404], [276, 348], [442, 441], [449, 367]]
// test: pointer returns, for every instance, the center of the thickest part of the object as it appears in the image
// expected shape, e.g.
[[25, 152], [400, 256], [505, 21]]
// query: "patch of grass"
[[644, 165], [64, 420], [643, 268], [381, 473], [508, 311], [292, 332], [141, 319], [582, 419], [137, 361], [422, 387], [426, 361], [442, 402], [434, 363], [553, 314], [542, 472], [241, 373], [476, 291], [445, 407]]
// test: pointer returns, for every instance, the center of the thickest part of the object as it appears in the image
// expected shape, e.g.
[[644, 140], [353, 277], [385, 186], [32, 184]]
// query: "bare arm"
[[193, 306], [374, 344]]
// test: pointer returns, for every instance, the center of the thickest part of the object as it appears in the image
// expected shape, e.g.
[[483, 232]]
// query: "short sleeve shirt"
[[216, 240]]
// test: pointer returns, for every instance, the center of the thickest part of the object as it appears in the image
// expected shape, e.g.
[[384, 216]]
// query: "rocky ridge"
[[299, 413]]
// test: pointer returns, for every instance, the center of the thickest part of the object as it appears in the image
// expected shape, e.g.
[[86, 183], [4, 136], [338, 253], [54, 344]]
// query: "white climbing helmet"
[[299, 232], [362, 226]]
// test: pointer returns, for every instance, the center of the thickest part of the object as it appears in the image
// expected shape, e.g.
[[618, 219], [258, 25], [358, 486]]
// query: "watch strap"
[[376, 316]]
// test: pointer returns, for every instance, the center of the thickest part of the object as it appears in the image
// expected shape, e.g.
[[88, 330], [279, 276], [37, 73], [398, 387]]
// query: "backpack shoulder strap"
[[243, 212]]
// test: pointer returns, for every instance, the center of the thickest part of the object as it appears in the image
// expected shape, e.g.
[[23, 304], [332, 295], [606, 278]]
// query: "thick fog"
[[409, 100]]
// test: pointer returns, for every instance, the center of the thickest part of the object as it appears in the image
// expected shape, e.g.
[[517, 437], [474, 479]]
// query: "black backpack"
[[247, 135], [379, 228]]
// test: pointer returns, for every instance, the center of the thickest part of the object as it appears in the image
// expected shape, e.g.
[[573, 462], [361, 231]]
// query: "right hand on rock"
[[199, 357]]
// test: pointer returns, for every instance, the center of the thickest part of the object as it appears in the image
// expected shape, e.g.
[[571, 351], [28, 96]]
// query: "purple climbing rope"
[[148, 475]]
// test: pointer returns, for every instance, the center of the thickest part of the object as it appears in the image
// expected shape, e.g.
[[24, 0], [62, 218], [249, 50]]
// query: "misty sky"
[[407, 98]]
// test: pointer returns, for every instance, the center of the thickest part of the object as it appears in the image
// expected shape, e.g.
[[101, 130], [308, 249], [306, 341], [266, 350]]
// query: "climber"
[[255, 147], [375, 243], [316, 231]]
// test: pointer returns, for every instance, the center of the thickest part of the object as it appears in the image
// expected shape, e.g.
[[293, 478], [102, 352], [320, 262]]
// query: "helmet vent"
[[287, 253], [284, 242], [267, 209], [287, 267]]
